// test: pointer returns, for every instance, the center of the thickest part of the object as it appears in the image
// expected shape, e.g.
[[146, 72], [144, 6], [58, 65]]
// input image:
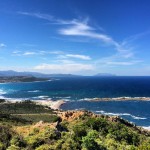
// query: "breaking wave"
[[120, 114]]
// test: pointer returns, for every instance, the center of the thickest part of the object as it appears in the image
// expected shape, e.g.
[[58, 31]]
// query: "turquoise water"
[[77, 90]]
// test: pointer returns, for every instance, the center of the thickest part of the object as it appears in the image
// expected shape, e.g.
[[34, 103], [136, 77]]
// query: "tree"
[[89, 143]]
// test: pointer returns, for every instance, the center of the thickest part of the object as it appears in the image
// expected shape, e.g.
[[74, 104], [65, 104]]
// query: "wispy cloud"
[[23, 53], [59, 54], [2, 45], [37, 15], [135, 37], [37, 52], [64, 68], [29, 53], [124, 52], [78, 28], [122, 63], [117, 60], [83, 57]]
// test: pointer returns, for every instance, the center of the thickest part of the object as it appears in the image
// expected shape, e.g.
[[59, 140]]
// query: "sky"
[[76, 36]]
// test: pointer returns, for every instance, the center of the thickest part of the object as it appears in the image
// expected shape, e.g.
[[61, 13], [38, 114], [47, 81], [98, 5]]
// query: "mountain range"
[[12, 73], [9, 73]]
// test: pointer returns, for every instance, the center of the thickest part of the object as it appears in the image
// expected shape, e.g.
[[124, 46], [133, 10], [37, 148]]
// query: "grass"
[[24, 107], [37, 117]]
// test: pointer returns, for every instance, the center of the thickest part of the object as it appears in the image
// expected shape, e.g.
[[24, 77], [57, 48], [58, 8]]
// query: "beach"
[[52, 104]]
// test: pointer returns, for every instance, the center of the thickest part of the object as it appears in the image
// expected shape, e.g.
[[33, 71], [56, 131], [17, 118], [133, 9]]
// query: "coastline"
[[52, 104], [118, 99], [55, 105]]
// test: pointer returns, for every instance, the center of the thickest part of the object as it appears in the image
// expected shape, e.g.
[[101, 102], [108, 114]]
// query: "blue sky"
[[74, 36]]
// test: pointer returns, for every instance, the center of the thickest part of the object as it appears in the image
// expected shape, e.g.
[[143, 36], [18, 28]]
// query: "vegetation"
[[24, 107], [81, 132], [2, 100], [25, 112]]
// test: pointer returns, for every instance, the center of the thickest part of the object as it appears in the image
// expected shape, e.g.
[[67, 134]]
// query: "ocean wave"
[[80, 109], [120, 114], [146, 127], [2, 97], [124, 98], [41, 97], [67, 97], [142, 118], [2, 92], [34, 91]]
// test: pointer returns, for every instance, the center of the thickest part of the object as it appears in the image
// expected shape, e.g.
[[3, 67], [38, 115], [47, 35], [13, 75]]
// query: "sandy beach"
[[52, 104]]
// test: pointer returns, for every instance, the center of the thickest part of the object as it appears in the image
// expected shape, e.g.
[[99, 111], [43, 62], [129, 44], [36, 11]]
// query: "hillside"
[[35, 127]]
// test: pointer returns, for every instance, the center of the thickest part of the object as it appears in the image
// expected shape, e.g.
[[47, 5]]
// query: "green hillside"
[[72, 130]]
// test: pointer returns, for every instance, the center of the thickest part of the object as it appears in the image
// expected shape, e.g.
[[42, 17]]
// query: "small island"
[[7, 79]]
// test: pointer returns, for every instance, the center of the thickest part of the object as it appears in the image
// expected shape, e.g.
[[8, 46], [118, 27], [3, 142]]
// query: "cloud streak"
[[64, 68], [37, 15], [124, 54], [77, 28], [59, 54], [83, 57]]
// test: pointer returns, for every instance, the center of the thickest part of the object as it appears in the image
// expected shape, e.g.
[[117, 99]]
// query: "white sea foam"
[[2, 92], [41, 97], [139, 118], [34, 91], [124, 98], [120, 114], [146, 127], [67, 97], [80, 109]]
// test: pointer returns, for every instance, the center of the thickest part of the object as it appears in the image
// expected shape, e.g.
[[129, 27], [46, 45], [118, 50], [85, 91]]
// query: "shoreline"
[[118, 99], [55, 105], [52, 104]]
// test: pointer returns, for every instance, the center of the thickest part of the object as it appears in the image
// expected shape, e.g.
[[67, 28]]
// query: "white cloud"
[[2, 45], [64, 68], [81, 28], [37, 15], [78, 28], [16, 52], [122, 63], [84, 57], [55, 52], [135, 37], [117, 60], [29, 53]]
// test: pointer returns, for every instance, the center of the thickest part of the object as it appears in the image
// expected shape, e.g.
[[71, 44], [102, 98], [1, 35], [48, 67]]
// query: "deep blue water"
[[76, 90]]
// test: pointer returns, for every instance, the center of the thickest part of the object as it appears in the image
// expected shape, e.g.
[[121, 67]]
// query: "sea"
[[79, 93]]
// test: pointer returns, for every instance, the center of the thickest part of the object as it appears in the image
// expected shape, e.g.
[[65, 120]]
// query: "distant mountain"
[[105, 74], [10, 73]]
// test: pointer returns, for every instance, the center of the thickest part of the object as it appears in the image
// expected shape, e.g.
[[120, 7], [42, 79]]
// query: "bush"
[[89, 141], [13, 147]]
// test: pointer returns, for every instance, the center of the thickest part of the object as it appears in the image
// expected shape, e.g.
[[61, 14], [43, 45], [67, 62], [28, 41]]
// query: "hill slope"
[[73, 130]]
